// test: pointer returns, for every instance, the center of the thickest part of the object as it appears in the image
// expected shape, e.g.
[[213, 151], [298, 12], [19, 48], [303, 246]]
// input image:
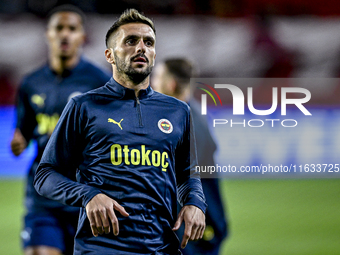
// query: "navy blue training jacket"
[[136, 151]]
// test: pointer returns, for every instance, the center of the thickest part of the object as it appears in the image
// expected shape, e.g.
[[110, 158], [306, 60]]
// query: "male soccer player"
[[172, 77], [50, 226], [130, 150]]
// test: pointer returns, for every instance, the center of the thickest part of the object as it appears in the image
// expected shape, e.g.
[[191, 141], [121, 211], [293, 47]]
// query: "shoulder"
[[171, 102], [100, 93], [34, 76], [93, 70]]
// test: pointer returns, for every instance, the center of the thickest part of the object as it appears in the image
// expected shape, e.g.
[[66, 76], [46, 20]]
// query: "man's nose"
[[141, 47], [65, 32]]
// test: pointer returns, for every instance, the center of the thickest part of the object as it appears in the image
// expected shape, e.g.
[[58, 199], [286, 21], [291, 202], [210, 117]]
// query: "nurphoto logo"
[[238, 105]]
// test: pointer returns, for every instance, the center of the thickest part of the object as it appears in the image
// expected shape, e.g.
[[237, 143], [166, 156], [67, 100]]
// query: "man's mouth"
[[140, 59], [64, 45]]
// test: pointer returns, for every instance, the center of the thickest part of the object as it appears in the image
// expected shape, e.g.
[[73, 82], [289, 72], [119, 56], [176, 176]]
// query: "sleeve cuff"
[[196, 201], [87, 198]]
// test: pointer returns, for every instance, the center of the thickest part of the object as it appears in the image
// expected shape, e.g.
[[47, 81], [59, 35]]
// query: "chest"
[[50, 95], [129, 123]]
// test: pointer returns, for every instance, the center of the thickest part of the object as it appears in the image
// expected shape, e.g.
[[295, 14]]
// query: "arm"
[[55, 176], [190, 192], [56, 172], [18, 143], [25, 124]]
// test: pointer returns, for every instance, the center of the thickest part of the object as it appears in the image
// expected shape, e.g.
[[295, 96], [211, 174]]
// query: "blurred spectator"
[[279, 62]]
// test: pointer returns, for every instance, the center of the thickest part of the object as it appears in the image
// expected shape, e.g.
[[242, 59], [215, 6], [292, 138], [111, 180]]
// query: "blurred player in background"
[[50, 226], [172, 77]]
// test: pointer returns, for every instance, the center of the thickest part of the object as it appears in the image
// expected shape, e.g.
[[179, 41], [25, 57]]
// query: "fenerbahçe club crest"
[[165, 126]]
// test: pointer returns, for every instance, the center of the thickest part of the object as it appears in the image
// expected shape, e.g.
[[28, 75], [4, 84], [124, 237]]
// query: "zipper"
[[139, 113]]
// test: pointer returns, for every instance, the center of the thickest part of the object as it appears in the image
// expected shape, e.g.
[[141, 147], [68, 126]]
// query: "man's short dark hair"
[[180, 68], [67, 8], [128, 16]]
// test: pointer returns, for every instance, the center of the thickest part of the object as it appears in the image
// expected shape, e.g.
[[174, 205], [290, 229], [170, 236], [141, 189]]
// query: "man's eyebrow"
[[137, 37], [149, 38], [131, 37]]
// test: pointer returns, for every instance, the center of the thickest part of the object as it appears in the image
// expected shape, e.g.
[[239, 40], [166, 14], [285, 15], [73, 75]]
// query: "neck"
[[126, 82], [59, 64]]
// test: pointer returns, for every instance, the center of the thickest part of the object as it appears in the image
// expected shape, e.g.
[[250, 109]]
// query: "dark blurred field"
[[271, 217]]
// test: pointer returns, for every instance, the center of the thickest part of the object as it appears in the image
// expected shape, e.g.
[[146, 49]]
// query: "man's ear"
[[109, 56]]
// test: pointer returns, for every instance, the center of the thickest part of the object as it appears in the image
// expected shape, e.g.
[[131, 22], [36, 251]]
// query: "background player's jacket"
[[216, 221], [134, 150], [41, 99]]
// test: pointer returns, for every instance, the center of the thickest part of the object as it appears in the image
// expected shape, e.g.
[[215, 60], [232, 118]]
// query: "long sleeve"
[[189, 184], [26, 120], [55, 176]]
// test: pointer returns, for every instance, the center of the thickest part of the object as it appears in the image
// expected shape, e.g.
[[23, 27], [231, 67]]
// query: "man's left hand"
[[194, 220]]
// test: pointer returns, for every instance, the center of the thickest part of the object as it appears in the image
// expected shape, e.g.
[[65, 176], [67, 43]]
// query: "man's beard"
[[134, 75]]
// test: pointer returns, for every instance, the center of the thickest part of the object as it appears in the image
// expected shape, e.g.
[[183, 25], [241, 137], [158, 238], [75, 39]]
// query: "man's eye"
[[59, 28], [130, 41], [148, 43]]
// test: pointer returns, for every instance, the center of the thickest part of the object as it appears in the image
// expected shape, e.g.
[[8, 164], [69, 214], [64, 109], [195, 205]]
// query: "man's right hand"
[[18, 143], [100, 212]]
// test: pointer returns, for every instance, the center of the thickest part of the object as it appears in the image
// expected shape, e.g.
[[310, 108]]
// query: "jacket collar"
[[122, 92]]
